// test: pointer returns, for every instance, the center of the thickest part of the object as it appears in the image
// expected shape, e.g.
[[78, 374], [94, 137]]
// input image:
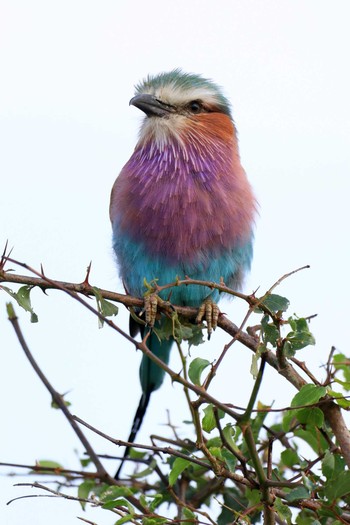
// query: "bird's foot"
[[151, 304], [209, 311], [150, 308]]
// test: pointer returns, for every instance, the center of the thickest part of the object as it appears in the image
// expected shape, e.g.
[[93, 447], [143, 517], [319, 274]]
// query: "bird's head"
[[178, 103]]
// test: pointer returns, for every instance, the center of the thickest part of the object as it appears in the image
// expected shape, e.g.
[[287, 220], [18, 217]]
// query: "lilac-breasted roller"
[[182, 205]]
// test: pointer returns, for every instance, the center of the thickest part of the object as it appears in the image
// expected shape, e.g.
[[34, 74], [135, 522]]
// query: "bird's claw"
[[151, 304], [209, 311], [151, 307]]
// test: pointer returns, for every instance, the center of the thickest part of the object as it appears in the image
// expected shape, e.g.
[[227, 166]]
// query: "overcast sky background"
[[67, 74]]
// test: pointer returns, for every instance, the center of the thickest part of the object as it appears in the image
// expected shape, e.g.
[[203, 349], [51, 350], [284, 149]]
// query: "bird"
[[181, 206]]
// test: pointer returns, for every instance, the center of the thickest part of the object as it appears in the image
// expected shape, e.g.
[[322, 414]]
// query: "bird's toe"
[[209, 311]]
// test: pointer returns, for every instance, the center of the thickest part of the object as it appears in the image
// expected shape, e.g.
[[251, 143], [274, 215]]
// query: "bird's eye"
[[195, 106]]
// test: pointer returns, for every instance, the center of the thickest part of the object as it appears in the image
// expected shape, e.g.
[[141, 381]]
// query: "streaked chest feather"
[[183, 201]]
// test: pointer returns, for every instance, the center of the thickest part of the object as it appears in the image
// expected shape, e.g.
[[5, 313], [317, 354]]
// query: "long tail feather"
[[151, 377], [136, 425]]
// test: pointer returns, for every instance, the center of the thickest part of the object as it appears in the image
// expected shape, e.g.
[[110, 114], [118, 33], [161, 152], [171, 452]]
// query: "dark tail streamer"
[[136, 425]]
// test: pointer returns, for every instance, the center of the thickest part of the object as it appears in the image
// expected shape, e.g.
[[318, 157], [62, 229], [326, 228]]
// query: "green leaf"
[[259, 419], [191, 516], [23, 299], [196, 368], [328, 465], [299, 337], [290, 457], [270, 332], [288, 349], [179, 466], [180, 330], [120, 502], [310, 416], [157, 500], [215, 451], [298, 493], [158, 520], [57, 406], [235, 504], [145, 472], [136, 454], [230, 459], [298, 340], [253, 496], [143, 500], [341, 362], [105, 308], [125, 519], [344, 384], [302, 519], [101, 489], [229, 432], [209, 421], [339, 398], [108, 309], [339, 464], [254, 368], [313, 437], [47, 463], [111, 493], [275, 303], [288, 420], [214, 442], [283, 511], [85, 462], [308, 395], [84, 490], [165, 329], [197, 337], [339, 487], [116, 497]]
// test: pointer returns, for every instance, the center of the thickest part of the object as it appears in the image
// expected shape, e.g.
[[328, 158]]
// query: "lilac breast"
[[184, 201]]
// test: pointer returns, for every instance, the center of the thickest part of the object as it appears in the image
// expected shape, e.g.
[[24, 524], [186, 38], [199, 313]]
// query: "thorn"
[[5, 256], [5, 249], [86, 280]]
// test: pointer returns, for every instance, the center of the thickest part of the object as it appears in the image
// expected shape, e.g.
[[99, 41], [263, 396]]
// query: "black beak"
[[151, 106]]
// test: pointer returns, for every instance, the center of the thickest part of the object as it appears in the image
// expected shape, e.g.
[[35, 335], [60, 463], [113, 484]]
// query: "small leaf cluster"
[[180, 329], [297, 337], [22, 297]]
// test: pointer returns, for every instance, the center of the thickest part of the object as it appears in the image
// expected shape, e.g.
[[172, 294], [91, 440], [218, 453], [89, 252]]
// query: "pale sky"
[[67, 74]]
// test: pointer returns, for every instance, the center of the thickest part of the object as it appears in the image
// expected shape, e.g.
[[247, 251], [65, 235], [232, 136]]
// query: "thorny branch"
[[331, 410], [56, 397], [267, 485]]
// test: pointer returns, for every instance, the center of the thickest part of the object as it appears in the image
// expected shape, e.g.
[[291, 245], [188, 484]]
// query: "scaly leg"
[[209, 311]]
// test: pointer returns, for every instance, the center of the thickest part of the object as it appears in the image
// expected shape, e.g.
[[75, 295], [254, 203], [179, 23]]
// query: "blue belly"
[[136, 263]]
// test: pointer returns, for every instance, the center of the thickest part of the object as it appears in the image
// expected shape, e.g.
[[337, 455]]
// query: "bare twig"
[[57, 398], [165, 450], [58, 494]]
